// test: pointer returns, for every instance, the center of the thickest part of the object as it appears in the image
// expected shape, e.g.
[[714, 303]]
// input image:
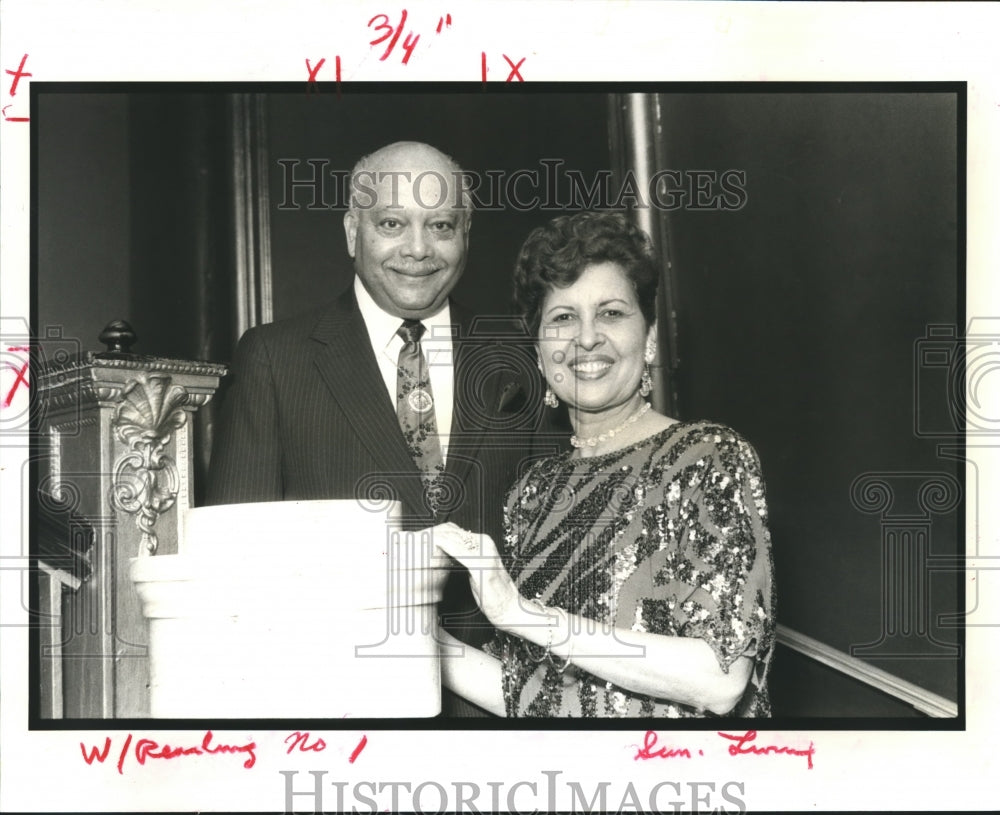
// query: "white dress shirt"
[[437, 347]]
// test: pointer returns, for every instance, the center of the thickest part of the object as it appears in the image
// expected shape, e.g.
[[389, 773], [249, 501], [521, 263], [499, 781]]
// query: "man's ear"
[[351, 230], [468, 228]]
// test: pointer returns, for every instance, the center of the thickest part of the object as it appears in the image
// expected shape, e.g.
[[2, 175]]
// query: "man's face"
[[407, 235]]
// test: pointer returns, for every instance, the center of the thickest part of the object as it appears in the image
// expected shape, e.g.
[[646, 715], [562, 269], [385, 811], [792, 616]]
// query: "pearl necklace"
[[593, 441]]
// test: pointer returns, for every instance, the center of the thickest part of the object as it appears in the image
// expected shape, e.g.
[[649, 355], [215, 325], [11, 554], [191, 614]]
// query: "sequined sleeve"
[[510, 543], [704, 563]]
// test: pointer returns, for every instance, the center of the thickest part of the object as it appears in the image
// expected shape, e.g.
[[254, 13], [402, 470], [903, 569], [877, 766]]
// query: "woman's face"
[[592, 339]]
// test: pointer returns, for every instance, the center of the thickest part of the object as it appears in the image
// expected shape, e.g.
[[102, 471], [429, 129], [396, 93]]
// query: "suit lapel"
[[466, 429], [347, 365]]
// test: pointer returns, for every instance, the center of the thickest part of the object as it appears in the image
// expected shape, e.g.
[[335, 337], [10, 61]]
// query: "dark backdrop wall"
[[83, 203], [800, 320], [134, 209]]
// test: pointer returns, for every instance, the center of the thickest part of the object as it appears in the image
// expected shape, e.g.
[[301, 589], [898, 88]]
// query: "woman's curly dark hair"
[[557, 254]]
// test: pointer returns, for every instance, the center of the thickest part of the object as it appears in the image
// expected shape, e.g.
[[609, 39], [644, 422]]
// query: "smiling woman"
[[635, 575], [592, 341]]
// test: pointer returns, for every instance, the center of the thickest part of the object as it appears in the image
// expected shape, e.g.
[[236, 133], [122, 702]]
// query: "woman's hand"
[[683, 669], [492, 587]]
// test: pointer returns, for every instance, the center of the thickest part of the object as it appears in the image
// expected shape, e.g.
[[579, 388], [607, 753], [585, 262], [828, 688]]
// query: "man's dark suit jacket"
[[306, 417]]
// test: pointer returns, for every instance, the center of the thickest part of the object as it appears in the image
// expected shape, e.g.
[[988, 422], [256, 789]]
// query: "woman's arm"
[[472, 674], [681, 669]]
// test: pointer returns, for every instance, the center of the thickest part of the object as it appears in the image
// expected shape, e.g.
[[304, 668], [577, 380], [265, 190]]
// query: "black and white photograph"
[[659, 389], [354, 411]]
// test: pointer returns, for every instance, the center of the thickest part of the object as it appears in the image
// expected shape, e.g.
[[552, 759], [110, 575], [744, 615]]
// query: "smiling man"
[[408, 228], [389, 389]]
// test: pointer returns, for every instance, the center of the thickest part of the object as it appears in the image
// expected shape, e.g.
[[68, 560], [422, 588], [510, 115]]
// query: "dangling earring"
[[550, 398], [646, 383]]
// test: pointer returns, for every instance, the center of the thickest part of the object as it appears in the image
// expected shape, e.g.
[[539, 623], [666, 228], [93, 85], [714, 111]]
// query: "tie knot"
[[411, 331]]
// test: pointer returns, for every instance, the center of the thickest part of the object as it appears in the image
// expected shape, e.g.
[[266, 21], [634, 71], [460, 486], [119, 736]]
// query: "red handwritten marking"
[[301, 741], [515, 69], [443, 21], [482, 55], [13, 91], [649, 742], [392, 32], [147, 749], [358, 749], [742, 747], [20, 378], [124, 752], [17, 75], [408, 45], [313, 71], [95, 754], [13, 118]]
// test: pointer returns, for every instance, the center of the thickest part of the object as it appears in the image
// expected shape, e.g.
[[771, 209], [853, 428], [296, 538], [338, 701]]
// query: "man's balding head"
[[407, 227], [400, 158]]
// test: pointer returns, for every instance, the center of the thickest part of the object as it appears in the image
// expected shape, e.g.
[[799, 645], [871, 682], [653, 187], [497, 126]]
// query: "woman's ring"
[[469, 540]]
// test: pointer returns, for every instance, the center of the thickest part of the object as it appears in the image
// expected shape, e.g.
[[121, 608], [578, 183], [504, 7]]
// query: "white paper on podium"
[[332, 592]]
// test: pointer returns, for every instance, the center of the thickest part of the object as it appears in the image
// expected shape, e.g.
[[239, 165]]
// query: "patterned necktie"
[[415, 406]]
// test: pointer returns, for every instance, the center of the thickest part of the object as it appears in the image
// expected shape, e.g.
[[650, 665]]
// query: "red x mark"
[[313, 71], [515, 69], [21, 372]]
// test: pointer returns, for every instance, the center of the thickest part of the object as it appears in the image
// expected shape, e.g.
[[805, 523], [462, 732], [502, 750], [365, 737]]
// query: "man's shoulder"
[[300, 327]]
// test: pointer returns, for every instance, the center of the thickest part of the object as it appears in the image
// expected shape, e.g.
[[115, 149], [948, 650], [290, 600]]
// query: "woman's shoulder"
[[697, 438], [709, 432]]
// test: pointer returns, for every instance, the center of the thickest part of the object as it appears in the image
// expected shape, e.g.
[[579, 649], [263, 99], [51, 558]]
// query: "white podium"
[[311, 609]]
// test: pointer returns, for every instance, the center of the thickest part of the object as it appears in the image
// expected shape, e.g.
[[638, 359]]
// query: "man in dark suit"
[[317, 407]]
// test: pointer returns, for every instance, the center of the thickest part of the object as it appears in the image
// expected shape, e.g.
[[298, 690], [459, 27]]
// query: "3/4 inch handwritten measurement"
[[394, 32]]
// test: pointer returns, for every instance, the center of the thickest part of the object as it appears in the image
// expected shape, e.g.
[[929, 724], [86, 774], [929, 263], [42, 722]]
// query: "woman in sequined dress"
[[635, 578]]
